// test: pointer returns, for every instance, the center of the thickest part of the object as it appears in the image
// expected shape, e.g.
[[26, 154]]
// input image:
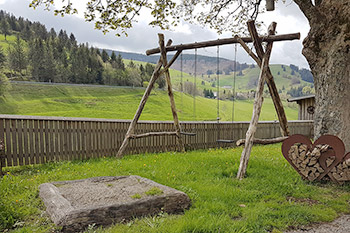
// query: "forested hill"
[[205, 64], [28, 51]]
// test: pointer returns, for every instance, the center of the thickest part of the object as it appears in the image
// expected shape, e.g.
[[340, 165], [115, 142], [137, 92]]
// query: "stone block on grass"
[[101, 201]]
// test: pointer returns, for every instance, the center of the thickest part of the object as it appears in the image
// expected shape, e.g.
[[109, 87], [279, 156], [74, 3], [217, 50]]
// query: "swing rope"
[[234, 85], [181, 80], [194, 85], [218, 84], [233, 90]]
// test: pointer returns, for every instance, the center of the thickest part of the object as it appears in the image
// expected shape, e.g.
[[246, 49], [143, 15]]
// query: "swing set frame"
[[261, 57]]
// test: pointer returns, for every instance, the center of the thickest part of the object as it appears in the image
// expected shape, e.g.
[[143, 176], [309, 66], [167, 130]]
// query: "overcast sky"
[[143, 37]]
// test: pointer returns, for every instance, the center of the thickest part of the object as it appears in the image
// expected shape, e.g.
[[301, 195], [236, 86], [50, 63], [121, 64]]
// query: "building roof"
[[301, 98]]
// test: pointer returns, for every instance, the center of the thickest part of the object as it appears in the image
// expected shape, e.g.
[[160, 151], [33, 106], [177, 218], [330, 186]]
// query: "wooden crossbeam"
[[188, 134], [261, 141], [204, 44], [134, 136], [225, 141]]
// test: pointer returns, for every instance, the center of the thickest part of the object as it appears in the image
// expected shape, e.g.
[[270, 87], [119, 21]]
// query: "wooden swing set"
[[261, 57]]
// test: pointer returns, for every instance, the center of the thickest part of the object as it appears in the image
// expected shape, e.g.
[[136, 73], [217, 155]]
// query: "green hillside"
[[283, 79], [121, 103]]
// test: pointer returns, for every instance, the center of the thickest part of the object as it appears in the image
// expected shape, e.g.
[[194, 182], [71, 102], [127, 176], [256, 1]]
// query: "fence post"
[[2, 158]]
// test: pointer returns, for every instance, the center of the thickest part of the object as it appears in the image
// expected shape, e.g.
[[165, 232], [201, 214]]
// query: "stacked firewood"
[[308, 165], [307, 161], [341, 172]]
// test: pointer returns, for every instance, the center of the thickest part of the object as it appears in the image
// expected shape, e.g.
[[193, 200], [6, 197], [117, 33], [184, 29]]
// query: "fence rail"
[[35, 139]]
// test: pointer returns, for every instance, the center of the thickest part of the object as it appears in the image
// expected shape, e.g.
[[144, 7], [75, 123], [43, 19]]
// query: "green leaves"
[[120, 15]]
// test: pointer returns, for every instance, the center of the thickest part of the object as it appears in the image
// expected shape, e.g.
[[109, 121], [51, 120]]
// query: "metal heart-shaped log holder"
[[323, 159]]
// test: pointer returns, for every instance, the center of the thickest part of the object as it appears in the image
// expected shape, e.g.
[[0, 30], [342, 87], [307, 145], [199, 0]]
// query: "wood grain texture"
[[256, 108], [204, 44], [198, 135]]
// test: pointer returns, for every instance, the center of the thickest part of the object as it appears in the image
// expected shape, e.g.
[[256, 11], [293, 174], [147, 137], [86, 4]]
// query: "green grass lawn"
[[273, 197], [121, 103]]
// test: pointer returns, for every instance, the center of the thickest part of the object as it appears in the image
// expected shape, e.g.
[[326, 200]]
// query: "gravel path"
[[340, 225]]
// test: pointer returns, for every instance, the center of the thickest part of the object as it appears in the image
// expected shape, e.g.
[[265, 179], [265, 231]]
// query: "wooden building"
[[306, 106]]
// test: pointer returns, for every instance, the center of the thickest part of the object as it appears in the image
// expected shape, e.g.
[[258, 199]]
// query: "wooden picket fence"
[[36, 140]]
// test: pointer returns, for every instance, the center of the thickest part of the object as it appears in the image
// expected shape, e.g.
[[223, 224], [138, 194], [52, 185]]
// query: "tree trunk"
[[327, 49]]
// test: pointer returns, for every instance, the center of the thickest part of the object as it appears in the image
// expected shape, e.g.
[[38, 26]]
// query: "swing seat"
[[225, 141]]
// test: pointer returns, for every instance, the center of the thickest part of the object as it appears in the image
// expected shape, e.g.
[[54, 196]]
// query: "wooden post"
[[2, 158], [142, 104], [170, 93], [256, 109], [270, 5], [269, 78]]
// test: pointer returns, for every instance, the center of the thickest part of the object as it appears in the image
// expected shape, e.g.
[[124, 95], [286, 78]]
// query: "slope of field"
[[121, 103]]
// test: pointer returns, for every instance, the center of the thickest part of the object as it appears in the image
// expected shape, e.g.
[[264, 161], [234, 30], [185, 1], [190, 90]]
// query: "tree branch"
[[307, 8]]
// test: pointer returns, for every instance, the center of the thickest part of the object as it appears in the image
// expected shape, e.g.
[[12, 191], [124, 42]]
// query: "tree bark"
[[256, 108], [327, 49], [264, 141]]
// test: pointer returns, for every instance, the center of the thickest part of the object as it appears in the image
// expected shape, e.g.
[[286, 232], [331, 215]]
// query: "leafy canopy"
[[120, 15]]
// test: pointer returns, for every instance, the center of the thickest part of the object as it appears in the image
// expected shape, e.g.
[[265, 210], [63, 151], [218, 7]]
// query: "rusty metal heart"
[[327, 160]]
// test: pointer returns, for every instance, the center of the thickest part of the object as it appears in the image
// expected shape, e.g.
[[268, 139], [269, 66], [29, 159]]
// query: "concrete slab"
[[76, 204]]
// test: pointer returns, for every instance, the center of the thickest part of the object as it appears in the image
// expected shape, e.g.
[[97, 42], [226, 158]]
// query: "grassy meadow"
[[271, 198], [244, 83], [121, 103]]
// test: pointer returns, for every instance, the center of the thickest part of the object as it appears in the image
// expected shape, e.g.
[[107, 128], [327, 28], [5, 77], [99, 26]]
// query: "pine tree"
[[72, 40], [5, 27], [113, 57], [52, 33], [119, 63], [105, 56], [17, 56], [36, 59], [26, 33], [2, 58], [131, 64]]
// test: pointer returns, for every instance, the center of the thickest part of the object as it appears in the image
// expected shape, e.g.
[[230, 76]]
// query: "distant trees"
[[5, 27], [48, 56], [17, 57], [296, 91], [294, 68], [306, 75], [208, 93], [301, 90], [105, 56], [2, 58]]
